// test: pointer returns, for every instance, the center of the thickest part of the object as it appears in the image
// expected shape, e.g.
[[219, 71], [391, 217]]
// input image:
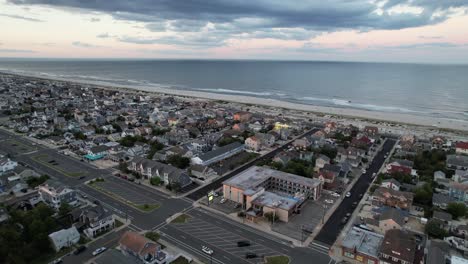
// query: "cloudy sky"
[[432, 31]]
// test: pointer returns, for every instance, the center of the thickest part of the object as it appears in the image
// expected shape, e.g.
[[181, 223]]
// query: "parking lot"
[[127, 192], [57, 163], [311, 215], [222, 240], [15, 147]]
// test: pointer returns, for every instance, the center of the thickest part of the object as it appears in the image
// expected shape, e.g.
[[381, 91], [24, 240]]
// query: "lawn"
[[277, 260], [40, 159], [180, 260], [181, 219], [146, 208]]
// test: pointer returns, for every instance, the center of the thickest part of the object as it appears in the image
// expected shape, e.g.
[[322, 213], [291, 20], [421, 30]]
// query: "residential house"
[[390, 197], [371, 131], [391, 184], [64, 238], [97, 220], [321, 161], [202, 172], [398, 247], [460, 176], [97, 152], [438, 252], [242, 116], [253, 143], [169, 174], [7, 165], [55, 193], [444, 218], [458, 162], [301, 143], [143, 249], [441, 200], [458, 191], [361, 246], [219, 154], [461, 148], [391, 218]]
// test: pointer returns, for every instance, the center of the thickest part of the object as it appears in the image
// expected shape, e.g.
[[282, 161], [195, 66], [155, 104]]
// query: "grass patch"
[[180, 260], [181, 219], [277, 260], [40, 159], [145, 208], [153, 236], [118, 223]]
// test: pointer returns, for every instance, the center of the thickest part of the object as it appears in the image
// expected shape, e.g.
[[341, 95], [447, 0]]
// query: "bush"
[[34, 182], [457, 209], [155, 181], [153, 236], [433, 228]]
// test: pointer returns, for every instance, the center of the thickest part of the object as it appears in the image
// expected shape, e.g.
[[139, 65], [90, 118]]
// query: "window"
[[349, 255], [370, 261]]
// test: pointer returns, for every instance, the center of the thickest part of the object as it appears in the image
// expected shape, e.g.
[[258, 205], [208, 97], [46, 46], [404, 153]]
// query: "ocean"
[[439, 91]]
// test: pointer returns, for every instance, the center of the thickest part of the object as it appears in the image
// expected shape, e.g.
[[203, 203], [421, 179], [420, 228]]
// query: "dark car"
[[82, 177], [344, 220], [243, 243], [250, 255], [96, 202], [79, 250]]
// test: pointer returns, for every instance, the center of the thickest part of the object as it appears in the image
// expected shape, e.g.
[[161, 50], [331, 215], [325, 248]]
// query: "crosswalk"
[[319, 247]]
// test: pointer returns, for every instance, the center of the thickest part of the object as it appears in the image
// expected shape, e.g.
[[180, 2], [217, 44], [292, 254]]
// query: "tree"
[[155, 181], [178, 161], [433, 228], [155, 147], [64, 209], [80, 135], [423, 195], [33, 182], [457, 209], [123, 167], [153, 236]]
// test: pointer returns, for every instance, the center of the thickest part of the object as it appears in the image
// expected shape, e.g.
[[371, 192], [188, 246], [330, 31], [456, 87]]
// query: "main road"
[[332, 228]]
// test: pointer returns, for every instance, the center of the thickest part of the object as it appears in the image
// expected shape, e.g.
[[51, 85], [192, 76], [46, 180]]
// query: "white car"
[[207, 250], [99, 251], [348, 194], [223, 200], [329, 201], [334, 194]]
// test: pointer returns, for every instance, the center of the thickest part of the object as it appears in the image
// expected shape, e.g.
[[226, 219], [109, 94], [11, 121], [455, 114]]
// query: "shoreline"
[[350, 113]]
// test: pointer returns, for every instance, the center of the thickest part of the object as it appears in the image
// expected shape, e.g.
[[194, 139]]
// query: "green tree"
[[155, 181], [153, 236], [64, 209], [433, 228], [423, 195], [33, 182], [457, 209], [178, 161]]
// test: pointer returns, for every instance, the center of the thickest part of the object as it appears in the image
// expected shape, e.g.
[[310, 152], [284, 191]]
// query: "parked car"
[[99, 251], [79, 250], [82, 177], [348, 194], [348, 214], [250, 255], [243, 243], [334, 194], [207, 250], [344, 220], [328, 201], [223, 200]]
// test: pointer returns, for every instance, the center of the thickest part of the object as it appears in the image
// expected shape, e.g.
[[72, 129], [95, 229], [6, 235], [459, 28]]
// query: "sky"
[[426, 31]]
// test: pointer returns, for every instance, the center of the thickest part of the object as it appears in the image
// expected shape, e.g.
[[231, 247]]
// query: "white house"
[[54, 193], [64, 238], [7, 165], [391, 184]]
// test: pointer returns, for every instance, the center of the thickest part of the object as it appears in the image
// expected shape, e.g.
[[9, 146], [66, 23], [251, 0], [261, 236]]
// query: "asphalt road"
[[329, 233], [198, 194], [221, 235]]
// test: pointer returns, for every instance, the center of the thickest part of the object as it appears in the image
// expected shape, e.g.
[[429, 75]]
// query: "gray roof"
[[219, 151], [363, 241], [254, 176], [438, 198], [457, 160], [394, 214], [442, 216], [437, 251], [115, 257], [174, 174]]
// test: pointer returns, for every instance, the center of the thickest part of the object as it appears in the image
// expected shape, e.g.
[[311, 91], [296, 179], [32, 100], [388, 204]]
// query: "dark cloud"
[[83, 44], [103, 35], [218, 20], [16, 51], [22, 18]]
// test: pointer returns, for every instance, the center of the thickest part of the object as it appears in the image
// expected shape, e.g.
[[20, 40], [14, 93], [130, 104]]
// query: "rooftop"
[[273, 200], [255, 176], [363, 241]]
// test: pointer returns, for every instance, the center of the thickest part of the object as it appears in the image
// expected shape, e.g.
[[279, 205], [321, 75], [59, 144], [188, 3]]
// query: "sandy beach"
[[372, 116]]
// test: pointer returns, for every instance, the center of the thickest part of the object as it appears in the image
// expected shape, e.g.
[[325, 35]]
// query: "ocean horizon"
[[431, 90]]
